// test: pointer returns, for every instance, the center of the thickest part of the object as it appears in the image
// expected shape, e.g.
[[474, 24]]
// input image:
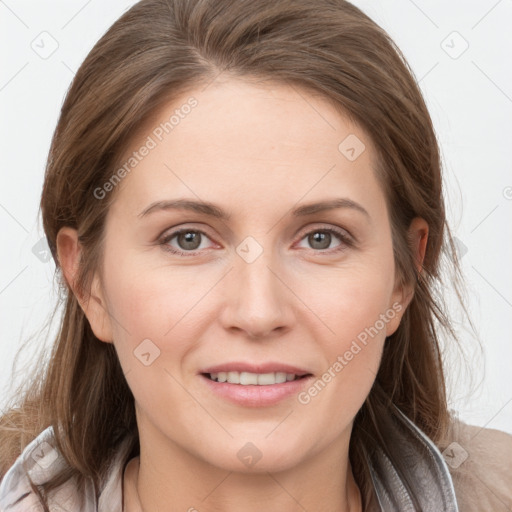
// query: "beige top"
[[480, 462]]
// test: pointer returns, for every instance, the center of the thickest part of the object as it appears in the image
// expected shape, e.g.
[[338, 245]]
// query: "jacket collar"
[[411, 474]]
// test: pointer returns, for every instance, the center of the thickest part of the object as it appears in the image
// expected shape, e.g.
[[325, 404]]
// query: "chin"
[[259, 456]]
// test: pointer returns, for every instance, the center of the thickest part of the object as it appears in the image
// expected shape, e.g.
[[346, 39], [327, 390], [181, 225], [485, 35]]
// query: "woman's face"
[[265, 283]]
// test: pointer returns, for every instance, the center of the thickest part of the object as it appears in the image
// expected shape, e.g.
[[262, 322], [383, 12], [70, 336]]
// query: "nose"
[[258, 301]]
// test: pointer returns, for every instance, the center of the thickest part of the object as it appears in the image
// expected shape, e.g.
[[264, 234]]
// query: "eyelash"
[[344, 238]]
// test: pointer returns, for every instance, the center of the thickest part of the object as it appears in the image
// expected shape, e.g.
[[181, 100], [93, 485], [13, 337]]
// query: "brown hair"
[[157, 50]]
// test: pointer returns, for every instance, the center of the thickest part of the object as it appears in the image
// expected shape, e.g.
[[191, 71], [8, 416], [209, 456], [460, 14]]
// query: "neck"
[[324, 482]]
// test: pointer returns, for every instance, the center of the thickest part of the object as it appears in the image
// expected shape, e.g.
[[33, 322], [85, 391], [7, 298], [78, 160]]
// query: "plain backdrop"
[[460, 52]]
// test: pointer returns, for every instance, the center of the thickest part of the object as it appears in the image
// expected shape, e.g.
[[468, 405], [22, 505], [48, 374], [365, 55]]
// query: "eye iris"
[[189, 240], [322, 237]]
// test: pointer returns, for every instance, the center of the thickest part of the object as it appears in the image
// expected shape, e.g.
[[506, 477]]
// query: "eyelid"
[[326, 227], [171, 233], [345, 237], [178, 228], [347, 241]]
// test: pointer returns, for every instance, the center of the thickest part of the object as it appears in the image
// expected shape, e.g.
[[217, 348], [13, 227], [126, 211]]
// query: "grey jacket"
[[470, 471]]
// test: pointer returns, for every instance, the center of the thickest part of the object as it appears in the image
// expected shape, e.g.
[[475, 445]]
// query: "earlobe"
[[93, 303]]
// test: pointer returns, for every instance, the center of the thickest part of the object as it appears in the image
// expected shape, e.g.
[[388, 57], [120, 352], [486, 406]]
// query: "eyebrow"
[[212, 210]]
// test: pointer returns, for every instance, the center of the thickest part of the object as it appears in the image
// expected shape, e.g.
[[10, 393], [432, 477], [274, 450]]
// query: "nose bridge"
[[257, 299]]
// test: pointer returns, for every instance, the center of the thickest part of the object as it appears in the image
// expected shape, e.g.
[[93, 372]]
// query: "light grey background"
[[469, 94]]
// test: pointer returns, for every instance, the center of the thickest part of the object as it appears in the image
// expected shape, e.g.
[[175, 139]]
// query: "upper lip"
[[270, 367]]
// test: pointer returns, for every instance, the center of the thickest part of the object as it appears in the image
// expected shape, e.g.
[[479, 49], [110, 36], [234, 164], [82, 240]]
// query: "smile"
[[249, 389], [256, 379]]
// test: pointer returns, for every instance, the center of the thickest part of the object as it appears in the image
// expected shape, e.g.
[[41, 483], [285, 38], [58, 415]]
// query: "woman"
[[244, 202]]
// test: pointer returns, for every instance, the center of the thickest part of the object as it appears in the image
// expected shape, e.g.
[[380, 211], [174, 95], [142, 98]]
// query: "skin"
[[257, 151]]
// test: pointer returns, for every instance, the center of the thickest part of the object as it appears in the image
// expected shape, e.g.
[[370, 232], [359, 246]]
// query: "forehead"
[[248, 142]]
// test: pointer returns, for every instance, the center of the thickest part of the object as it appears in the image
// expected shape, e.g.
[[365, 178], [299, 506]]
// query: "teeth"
[[264, 379], [280, 377], [247, 378], [233, 377]]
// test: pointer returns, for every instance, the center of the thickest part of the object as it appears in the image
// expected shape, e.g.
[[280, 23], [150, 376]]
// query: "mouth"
[[255, 385], [255, 379]]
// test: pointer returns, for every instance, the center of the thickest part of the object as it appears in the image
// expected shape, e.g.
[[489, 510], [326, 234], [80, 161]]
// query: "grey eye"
[[320, 240], [189, 240]]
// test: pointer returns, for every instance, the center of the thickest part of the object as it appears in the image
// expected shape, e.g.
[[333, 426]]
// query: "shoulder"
[[38, 462], [480, 462]]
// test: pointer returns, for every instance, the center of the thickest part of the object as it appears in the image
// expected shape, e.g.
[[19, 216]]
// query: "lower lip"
[[256, 396]]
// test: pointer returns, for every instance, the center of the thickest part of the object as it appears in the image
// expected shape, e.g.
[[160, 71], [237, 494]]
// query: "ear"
[[402, 295], [93, 302]]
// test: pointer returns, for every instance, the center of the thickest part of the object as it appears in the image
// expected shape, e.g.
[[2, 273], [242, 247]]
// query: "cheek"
[[152, 331], [145, 311], [355, 316], [352, 353], [349, 301], [149, 301], [354, 306]]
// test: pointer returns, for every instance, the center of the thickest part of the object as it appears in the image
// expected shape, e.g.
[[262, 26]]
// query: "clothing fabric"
[[469, 471]]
